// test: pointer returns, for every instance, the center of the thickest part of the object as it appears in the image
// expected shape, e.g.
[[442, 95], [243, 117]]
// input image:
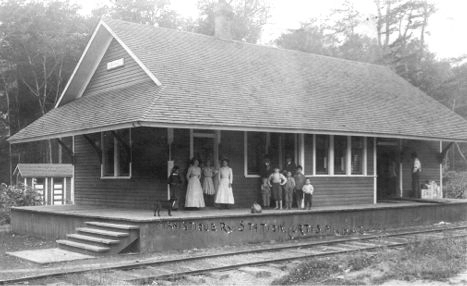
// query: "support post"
[[401, 171], [67, 149], [375, 173], [441, 167], [442, 152]]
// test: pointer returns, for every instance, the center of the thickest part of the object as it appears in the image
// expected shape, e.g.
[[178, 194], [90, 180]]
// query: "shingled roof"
[[44, 170], [204, 82]]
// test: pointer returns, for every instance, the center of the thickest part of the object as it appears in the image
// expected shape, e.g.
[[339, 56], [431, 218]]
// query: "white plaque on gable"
[[115, 64]]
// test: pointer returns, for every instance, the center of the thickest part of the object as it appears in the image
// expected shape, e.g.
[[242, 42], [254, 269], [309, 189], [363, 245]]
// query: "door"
[[203, 149], [204, 146], [388, 170]]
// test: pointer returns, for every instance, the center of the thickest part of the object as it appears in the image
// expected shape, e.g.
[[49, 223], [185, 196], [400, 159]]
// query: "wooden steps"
[[84, 246], [113, 225], [100, 238], [101, 232], [93, 239]]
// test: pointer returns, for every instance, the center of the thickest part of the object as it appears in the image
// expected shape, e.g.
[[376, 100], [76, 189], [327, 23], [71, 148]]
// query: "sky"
[[446, 29]]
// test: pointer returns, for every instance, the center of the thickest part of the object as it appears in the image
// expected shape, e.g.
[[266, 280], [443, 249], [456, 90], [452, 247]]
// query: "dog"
[[168, 204], [256, 208]]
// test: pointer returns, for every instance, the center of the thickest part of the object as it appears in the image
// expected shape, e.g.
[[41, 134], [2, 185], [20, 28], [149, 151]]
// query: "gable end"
[[117, 69]]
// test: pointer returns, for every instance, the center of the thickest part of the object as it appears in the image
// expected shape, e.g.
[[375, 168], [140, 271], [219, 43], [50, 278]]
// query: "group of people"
[[201, 184], [285, 185]]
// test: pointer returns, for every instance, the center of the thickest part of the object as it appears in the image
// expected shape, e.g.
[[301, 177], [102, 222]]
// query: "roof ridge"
[[149, 107], [279, 49]]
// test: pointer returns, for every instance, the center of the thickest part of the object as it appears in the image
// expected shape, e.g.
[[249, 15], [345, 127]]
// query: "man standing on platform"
[[417, 168]]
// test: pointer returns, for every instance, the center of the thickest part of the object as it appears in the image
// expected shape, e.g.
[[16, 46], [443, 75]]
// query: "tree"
[[400, 43], [310, 38], [41, 43], [248, 20], [151, 12]]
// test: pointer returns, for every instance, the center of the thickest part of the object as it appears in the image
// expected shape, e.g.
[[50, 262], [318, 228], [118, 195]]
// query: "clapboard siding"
[[147, 184], [329, 190], [105, 80], [245, 189], [427, 152]]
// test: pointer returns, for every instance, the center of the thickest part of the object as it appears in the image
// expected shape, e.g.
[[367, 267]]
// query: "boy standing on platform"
[[266, 193], [308, 192], [289, 187], [277, 180], [299, 183]]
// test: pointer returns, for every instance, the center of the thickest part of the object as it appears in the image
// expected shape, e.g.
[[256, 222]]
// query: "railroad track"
[[147, 271]]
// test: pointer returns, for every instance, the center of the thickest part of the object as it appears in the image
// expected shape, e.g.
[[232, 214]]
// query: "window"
[[289, 148], [116, 153], [255, 151], [357, 155], [322, 154], [308, 149], [340, 155]]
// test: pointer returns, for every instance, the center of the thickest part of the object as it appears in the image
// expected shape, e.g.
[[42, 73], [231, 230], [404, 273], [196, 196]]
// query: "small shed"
[[52, 181]]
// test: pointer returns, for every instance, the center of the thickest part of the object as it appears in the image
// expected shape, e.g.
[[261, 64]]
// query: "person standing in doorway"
[[416, 170], [290, 166]]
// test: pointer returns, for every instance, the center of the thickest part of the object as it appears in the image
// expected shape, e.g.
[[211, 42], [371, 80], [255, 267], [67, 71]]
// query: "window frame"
[[300, 154], [116, 157], [245, 153]]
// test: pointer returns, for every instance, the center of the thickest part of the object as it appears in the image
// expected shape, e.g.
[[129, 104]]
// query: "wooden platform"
[[214, 227]]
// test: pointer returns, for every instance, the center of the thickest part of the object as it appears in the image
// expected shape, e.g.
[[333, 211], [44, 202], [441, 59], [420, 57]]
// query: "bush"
[[430, 259], [455, 184], [16, 196]]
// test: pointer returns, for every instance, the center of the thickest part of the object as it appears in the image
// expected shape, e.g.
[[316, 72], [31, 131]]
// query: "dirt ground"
[[11, 242]]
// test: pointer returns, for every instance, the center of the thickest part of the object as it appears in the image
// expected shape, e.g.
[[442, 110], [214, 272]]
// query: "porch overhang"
[[135, 124]]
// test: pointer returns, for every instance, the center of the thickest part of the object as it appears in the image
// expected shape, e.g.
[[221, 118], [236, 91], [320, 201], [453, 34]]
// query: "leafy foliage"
[[249, 17], [152, 12], [16, 196], [40, 45], [431, 259], [455, 185]]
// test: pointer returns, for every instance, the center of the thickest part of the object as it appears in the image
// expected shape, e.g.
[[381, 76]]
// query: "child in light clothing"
[[277, 180], [289, 187], [308, 193], [266, 193]]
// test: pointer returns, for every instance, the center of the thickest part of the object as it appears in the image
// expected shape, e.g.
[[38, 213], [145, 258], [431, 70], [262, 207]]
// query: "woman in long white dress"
[[194, 191], [224, 193]]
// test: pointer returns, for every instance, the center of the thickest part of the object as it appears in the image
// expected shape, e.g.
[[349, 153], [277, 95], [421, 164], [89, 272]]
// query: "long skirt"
[[194, 194], [224, 192], [208, 186]]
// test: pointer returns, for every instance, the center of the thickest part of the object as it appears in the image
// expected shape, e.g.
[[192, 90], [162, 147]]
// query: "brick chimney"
[[223, 16]]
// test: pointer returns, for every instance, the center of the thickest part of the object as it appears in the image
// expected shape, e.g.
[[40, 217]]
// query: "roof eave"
[[134, 124]]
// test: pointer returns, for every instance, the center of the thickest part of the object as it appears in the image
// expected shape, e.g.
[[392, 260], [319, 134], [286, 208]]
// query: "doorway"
[[388, 164], [204, 146]]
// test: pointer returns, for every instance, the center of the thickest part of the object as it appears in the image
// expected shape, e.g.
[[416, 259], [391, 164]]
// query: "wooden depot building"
[[141, 97]]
